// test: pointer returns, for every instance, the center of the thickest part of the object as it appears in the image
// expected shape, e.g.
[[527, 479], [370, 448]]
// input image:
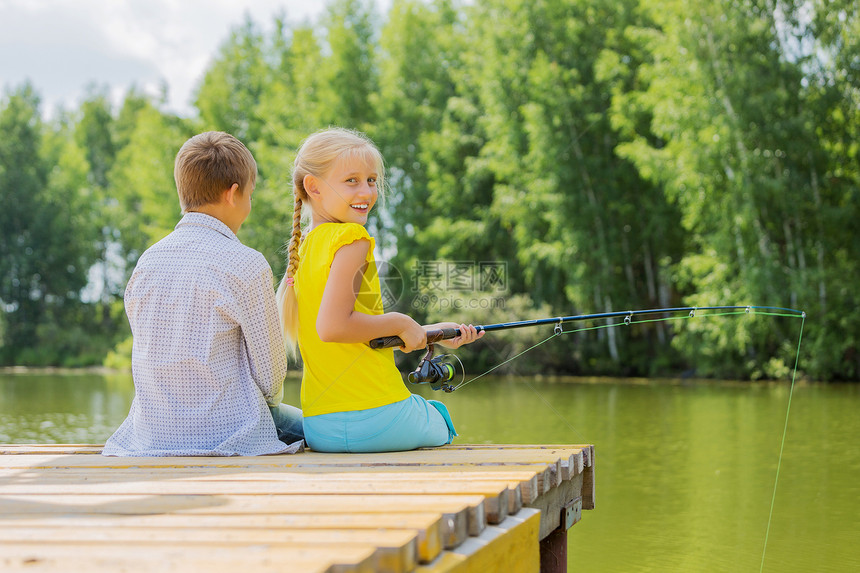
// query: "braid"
[[295, 239], [288, 304]]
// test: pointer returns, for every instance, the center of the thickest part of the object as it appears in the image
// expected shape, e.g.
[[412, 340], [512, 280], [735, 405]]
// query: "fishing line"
[[512, 358], [782, 445]]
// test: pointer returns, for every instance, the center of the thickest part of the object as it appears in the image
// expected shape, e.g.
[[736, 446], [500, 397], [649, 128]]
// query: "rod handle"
[[432, 336]]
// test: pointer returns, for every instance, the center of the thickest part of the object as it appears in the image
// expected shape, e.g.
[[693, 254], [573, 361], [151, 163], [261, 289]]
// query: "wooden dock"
[[456, 508]]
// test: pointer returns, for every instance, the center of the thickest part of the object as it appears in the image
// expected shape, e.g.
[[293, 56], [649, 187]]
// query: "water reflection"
[[72, 408]]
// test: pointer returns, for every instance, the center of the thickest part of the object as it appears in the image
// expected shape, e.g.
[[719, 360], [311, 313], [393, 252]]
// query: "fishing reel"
[[433, 371]]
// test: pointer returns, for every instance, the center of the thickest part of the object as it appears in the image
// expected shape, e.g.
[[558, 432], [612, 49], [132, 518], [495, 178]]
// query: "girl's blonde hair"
[[316, 156]]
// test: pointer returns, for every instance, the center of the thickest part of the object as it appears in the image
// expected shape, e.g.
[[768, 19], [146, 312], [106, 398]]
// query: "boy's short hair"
[[210, 163]]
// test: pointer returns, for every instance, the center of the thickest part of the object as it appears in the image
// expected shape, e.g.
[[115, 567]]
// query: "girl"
[[353, 397]]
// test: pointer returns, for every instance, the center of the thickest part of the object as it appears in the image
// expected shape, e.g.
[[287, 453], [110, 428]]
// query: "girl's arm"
[[468, 334], [338, 321]]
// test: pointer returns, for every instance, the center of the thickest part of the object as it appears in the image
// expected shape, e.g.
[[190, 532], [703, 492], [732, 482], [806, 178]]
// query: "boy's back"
[[205, 327]]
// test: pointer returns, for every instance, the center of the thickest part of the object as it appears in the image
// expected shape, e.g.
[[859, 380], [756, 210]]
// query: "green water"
[[684, 473]]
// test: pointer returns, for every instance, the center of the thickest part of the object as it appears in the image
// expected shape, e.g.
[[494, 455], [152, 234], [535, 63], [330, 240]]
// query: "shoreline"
[[61, 370], [553, 379]]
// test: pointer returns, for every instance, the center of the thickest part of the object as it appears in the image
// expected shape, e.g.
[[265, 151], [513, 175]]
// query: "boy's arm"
[[264, 338]]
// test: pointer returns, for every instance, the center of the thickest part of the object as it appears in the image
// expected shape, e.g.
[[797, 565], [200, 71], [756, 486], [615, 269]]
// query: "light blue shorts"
[[405, 425]]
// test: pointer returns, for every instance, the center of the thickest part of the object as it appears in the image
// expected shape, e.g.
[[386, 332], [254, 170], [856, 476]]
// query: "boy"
[[208, 355]]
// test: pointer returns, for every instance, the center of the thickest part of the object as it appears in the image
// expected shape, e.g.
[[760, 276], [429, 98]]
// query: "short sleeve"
[[347, 233]]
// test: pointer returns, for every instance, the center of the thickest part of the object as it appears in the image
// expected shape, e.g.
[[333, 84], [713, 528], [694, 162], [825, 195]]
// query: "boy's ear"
[[311, 185], [231, 195]]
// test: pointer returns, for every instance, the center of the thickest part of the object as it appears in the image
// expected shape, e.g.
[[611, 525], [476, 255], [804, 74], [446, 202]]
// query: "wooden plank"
[[145, 504], [57, 449], [282, 474], [143, 557], [458, 511], [582, 455], [438, 456], [515, 502], [396, 549], [512, 447], [510, 546], [589, 498], [498, 498], [323, 484], [517, 446], [531, 483], [548, 474], [427, 526]]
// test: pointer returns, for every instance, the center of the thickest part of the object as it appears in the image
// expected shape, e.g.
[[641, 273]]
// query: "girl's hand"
[[468, 334], [413, 335]]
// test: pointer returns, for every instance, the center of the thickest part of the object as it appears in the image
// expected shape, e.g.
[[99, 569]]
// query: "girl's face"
[[345, 194]]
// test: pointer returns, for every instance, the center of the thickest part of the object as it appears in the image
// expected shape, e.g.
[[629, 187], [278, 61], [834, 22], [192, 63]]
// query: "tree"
[[348, 72], [419, 54], [46, 246], [228, 96], [143, 204], [834, 94], [543, 187], [22, 179], [291, 111], [731, 139]]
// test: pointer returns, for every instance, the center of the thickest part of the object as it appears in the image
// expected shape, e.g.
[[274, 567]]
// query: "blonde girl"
[[353, 397]]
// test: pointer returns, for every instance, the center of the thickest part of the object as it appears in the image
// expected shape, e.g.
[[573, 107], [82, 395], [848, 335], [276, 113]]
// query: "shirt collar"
[[208, 221]]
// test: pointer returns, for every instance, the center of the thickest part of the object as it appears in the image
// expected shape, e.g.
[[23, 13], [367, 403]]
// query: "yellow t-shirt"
[[340, 377]]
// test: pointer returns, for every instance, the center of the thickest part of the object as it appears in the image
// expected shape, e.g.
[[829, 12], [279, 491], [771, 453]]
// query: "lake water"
[[684, 472]]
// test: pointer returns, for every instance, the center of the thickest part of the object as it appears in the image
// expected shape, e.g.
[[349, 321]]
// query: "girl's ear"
[[311, 185]]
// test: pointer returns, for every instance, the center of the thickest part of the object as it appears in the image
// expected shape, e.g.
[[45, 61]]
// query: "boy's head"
[[209, 164]]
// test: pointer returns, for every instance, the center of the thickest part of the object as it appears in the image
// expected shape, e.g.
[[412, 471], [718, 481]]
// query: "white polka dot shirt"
[[208, 354]]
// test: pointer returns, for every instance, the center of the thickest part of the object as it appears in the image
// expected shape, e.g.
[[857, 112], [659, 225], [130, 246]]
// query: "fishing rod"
[[437, 373]]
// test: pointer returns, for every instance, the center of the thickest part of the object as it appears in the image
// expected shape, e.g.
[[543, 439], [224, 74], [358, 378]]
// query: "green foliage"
[[142, 202], [47, 240], [612, 155], [348, 74], [233, 85], [120, 357], [732, 140]]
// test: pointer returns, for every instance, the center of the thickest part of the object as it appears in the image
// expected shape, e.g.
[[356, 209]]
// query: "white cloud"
[[62, 46]]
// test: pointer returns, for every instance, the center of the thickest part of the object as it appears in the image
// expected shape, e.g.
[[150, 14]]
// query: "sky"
[[63, 46]]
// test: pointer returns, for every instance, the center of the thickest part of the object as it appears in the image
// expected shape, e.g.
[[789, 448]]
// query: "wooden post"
[[553, 547], [553, 552]]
